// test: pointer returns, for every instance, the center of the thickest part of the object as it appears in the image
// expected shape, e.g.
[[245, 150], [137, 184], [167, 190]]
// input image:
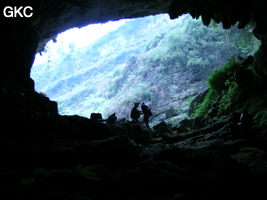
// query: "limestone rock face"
[[63, 15], [22, 37], [184, 84], [55, 157], [51, 17]]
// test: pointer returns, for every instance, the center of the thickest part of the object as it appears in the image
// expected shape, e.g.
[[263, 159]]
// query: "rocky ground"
[[71, 157]]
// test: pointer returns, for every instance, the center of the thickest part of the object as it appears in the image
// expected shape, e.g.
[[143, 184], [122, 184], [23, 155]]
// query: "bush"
[[222, 92], [220, 79]]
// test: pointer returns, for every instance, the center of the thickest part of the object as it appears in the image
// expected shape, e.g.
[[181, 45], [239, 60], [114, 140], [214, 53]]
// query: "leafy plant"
[[27, 181], [85, 170], [223, 89], [108, 75], [222, 78], [30, 180]]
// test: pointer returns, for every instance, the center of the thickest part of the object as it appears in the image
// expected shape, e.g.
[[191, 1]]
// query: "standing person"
[[147, 113], [245, 122], [135, 113]]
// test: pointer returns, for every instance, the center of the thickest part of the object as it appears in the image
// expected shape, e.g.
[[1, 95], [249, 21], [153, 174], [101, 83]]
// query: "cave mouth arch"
[[95, 102]]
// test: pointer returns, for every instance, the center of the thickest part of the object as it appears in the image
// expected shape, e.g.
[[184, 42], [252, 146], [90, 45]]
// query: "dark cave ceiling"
[[25, 36]]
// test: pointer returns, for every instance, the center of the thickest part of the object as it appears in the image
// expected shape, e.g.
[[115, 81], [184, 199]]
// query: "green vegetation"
[[85, 170], [150, 59], [223, 91]]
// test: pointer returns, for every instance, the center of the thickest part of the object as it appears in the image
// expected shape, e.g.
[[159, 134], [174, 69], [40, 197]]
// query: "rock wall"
[[51, 17], [184, 85], [22, 37], [40, 161]]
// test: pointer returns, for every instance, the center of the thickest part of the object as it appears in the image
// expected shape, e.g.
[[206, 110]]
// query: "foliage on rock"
[[229, 92], [158, 62]]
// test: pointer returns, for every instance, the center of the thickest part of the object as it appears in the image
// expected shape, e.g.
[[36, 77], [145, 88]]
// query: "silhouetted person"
[[245, 122], [135, 113], [147, 113], [112, 118], [232, 125], [239, 124]]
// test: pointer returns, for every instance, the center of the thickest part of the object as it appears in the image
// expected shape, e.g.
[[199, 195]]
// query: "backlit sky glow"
[[81, 37]]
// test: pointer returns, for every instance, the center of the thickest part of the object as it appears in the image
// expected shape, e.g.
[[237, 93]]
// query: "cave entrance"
[[163, 62]]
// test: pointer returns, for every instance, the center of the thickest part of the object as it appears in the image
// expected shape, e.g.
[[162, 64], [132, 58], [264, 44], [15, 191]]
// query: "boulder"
[[184, 125], [96, 116], [162, 128], [197, 100], [136, 131], [113, 151]]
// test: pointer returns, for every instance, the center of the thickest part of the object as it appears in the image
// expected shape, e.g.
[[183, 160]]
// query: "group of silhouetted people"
[[145, 110], [135, 114]]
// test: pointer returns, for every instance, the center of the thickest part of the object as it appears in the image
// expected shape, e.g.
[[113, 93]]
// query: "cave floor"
[[71, 157]]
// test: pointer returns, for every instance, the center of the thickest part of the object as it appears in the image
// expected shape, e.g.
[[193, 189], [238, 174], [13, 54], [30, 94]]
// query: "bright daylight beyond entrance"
[[162, 62]]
